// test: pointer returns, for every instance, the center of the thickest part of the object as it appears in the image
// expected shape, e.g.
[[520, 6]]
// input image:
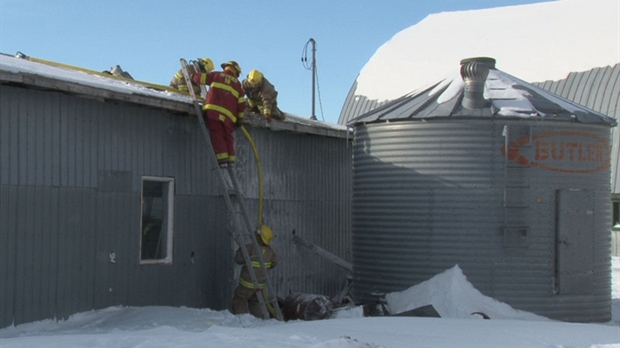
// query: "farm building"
[[107, 197]]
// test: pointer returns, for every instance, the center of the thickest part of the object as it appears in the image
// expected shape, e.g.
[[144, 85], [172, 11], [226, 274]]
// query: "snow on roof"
[[537, 42], [16, 66]]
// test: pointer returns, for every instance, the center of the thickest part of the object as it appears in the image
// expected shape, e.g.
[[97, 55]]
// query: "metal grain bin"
[[508, 181]]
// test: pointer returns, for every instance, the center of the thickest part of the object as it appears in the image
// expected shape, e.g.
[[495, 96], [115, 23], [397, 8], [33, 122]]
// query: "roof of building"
[[597, 89], [30, 72]]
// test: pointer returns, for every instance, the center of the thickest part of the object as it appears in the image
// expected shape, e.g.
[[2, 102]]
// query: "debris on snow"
[[307, 307], [453, 296]]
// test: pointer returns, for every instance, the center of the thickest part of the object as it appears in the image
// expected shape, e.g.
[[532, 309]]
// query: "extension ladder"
[[243, 232]]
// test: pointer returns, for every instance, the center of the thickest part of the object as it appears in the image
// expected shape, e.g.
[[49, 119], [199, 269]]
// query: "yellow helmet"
[[255, 77], [266, 234], [207, 63]]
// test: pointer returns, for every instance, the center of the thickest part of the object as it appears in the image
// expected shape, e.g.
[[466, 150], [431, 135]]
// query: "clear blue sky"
[[147, 38]]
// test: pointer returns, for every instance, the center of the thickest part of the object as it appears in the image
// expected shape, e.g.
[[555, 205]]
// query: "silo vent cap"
[[484, 60], [474, 72]]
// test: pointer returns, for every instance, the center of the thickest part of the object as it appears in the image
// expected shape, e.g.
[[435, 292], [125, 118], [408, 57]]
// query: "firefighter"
[[261, 96], [178, 81], [223, 109], [245, 299]]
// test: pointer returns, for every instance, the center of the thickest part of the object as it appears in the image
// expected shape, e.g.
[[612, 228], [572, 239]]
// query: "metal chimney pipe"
[[474, 72]]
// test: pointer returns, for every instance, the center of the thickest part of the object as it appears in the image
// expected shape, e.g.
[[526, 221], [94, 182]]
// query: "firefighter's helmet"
[[207, 63], [233, 64], [266, 234], [255, 77]]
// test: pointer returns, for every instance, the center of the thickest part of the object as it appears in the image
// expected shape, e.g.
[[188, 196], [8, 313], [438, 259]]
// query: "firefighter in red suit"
[[223, 108]]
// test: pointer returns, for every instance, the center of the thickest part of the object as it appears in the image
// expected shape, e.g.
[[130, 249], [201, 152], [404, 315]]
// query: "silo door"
[[574, 244]]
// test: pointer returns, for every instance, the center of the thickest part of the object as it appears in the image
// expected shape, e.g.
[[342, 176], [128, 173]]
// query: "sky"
[[450, 293], [147, 38]]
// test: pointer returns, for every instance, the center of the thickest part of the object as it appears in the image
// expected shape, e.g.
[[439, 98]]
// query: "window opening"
[[156, 220]]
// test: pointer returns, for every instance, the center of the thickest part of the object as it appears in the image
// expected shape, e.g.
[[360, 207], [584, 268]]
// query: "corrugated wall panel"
[[307, 188], [68, 215], [8, 251], [431, 195], [597, 87], [70, 181]]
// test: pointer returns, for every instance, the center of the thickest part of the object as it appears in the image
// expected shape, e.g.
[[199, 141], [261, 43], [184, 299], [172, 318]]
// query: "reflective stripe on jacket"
[[225, 96], [269, 257], [178, 81]]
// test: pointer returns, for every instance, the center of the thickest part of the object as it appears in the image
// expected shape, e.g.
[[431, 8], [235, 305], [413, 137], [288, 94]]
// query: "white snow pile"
[[536, 42], [453, 296]]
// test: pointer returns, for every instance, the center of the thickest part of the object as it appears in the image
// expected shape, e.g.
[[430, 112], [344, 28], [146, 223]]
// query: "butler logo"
[[566, 151]]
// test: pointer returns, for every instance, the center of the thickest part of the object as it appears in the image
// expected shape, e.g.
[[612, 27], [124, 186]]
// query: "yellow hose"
[[260, 176]]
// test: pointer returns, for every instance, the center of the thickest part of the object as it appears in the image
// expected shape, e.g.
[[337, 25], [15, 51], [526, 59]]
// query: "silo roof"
[[504, 96], [584, 35]]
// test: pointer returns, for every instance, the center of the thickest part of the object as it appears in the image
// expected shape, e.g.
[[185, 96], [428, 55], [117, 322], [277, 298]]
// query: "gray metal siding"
[[70, 183], [307, 189], [599, 90], [431, 195], [70, 180]]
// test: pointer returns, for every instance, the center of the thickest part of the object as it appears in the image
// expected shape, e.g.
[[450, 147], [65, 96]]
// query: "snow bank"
[[536, 42], [453, 296]]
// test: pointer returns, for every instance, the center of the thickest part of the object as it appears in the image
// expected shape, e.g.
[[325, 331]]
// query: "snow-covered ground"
[[450, 293]]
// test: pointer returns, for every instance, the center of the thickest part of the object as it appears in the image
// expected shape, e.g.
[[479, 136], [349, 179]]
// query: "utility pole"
[[313, 117]]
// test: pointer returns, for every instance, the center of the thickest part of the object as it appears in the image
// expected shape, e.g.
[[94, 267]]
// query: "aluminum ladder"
[[243, 232]]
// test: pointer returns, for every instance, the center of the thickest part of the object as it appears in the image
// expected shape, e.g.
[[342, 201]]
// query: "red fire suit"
[[223, 108]]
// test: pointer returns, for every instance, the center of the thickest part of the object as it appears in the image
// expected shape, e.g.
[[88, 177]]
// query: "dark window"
[[156, 221]]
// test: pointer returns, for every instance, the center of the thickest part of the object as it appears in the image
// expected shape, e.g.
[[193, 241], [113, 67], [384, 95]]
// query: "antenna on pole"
[[313, 117], [312, 66]]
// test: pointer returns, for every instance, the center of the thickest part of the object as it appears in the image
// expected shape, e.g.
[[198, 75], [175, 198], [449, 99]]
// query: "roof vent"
[[474, 72]]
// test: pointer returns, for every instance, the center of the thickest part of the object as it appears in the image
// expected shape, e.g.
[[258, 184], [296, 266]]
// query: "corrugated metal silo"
[[498, 176]]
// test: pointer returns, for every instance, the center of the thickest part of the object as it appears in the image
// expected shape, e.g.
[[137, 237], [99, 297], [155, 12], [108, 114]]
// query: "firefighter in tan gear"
[[178, 81], [245, 299], [261, 96]]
